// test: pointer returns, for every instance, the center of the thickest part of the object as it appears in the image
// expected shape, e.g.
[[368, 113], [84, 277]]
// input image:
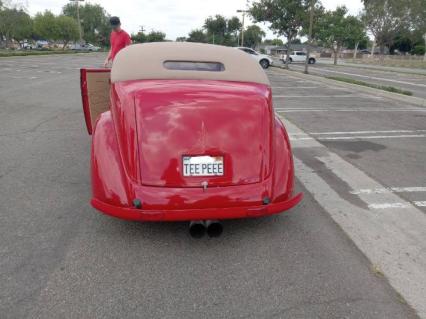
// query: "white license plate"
[[203, 166]]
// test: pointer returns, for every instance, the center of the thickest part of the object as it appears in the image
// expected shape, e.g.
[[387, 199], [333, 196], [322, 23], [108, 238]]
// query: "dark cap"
[[114, 21]]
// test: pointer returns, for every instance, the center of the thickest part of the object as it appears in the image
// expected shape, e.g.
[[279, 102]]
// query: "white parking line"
[[396, 205], [314, 96], [385, 190], [389, 205], [360, 137], [295, 87], [348, 110], [359, 132], [394, 239]]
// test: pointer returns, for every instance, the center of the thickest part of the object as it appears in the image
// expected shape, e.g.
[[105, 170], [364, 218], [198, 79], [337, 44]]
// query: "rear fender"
[[109, 181], [283, 181]]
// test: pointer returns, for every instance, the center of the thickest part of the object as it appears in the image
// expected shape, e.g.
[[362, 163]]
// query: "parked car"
[[298, 56], [180, 133], [84, 47], [264, 60], [42, 44], [27, 45]]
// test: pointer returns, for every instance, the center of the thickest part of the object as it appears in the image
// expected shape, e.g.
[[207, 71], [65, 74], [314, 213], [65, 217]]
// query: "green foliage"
[[371, 85], [253, 36], [216, 25], [94, 21], [276, 42], [234, 25], [419, 49], [335, 28], [286, 17], [139, 37], [15, 24], [220, 30], [153, 36], [197, 35], [156, 36], [45, 26], [385, 18], [67, 29], [332, 28]]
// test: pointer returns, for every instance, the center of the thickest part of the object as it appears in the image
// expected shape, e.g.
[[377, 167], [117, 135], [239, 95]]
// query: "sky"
[[174, 17]]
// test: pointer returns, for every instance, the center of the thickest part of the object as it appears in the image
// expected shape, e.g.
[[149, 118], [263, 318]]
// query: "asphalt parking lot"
[[59, 258], [415, 83]]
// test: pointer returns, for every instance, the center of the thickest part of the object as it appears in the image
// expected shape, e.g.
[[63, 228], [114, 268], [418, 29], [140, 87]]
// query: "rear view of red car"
[[186, 132]]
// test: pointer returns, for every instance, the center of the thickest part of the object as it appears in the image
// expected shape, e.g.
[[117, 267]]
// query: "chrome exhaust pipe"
[[197, 228], [214, 228]]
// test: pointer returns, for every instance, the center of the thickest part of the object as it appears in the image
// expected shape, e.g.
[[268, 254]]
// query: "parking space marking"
[[396, 205], [314, 96], [359, 137], [392, 239], [384, 190], [295, 87], [358, 132], [295, 110]]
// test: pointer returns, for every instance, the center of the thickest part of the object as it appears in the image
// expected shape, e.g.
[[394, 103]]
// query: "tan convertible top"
[[150, 61]]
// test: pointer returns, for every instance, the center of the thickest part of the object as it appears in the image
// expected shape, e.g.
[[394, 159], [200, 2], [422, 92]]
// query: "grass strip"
[[4, 54], [374, 86]]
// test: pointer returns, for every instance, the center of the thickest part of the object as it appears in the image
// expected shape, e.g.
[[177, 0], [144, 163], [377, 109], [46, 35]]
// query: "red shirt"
[[118, 40]]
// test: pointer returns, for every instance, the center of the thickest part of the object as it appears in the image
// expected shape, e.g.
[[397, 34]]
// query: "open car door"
[[95, 88]]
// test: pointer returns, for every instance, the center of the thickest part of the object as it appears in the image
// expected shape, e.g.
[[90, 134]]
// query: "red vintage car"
[[186, 132]]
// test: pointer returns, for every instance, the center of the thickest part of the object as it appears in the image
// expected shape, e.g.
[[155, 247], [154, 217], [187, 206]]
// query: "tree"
[[156, 36], [335, 28], [139, 37], [94, 21], [153, 36], [234, 25], [216, 26], [384, 18], [276, 42], [67, 29], [197, 35], [15, 24], [418, 23], [355, 33], [286, 17], [46, 27], [253, 36]]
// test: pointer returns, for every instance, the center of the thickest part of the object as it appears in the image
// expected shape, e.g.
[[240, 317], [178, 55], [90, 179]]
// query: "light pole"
[[242, 29], [78, 18], [311, 20]]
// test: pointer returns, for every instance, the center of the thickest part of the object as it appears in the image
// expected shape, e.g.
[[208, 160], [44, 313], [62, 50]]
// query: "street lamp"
[[242, 29], [311, 19], [78, 18]]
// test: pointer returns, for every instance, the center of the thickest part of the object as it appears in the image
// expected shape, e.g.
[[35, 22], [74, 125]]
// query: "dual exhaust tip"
[[198, 228]]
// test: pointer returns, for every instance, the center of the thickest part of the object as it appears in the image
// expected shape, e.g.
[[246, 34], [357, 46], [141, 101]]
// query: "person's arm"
[[108, 58], [128, 40]]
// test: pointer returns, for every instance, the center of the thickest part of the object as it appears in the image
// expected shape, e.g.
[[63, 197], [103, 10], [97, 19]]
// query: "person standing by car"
[[119, 39]]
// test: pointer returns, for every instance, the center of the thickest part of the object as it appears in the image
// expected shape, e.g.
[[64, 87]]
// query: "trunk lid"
[[180, 119]]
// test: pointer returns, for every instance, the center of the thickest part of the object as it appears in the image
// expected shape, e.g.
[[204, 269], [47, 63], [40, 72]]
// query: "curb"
[[394, 96]]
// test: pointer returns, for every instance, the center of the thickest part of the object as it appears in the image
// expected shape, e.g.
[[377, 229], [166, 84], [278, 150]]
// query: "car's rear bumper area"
[[196, 214]]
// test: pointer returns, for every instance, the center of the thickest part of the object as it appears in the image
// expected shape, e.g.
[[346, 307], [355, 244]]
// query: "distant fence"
[[395, 58]]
